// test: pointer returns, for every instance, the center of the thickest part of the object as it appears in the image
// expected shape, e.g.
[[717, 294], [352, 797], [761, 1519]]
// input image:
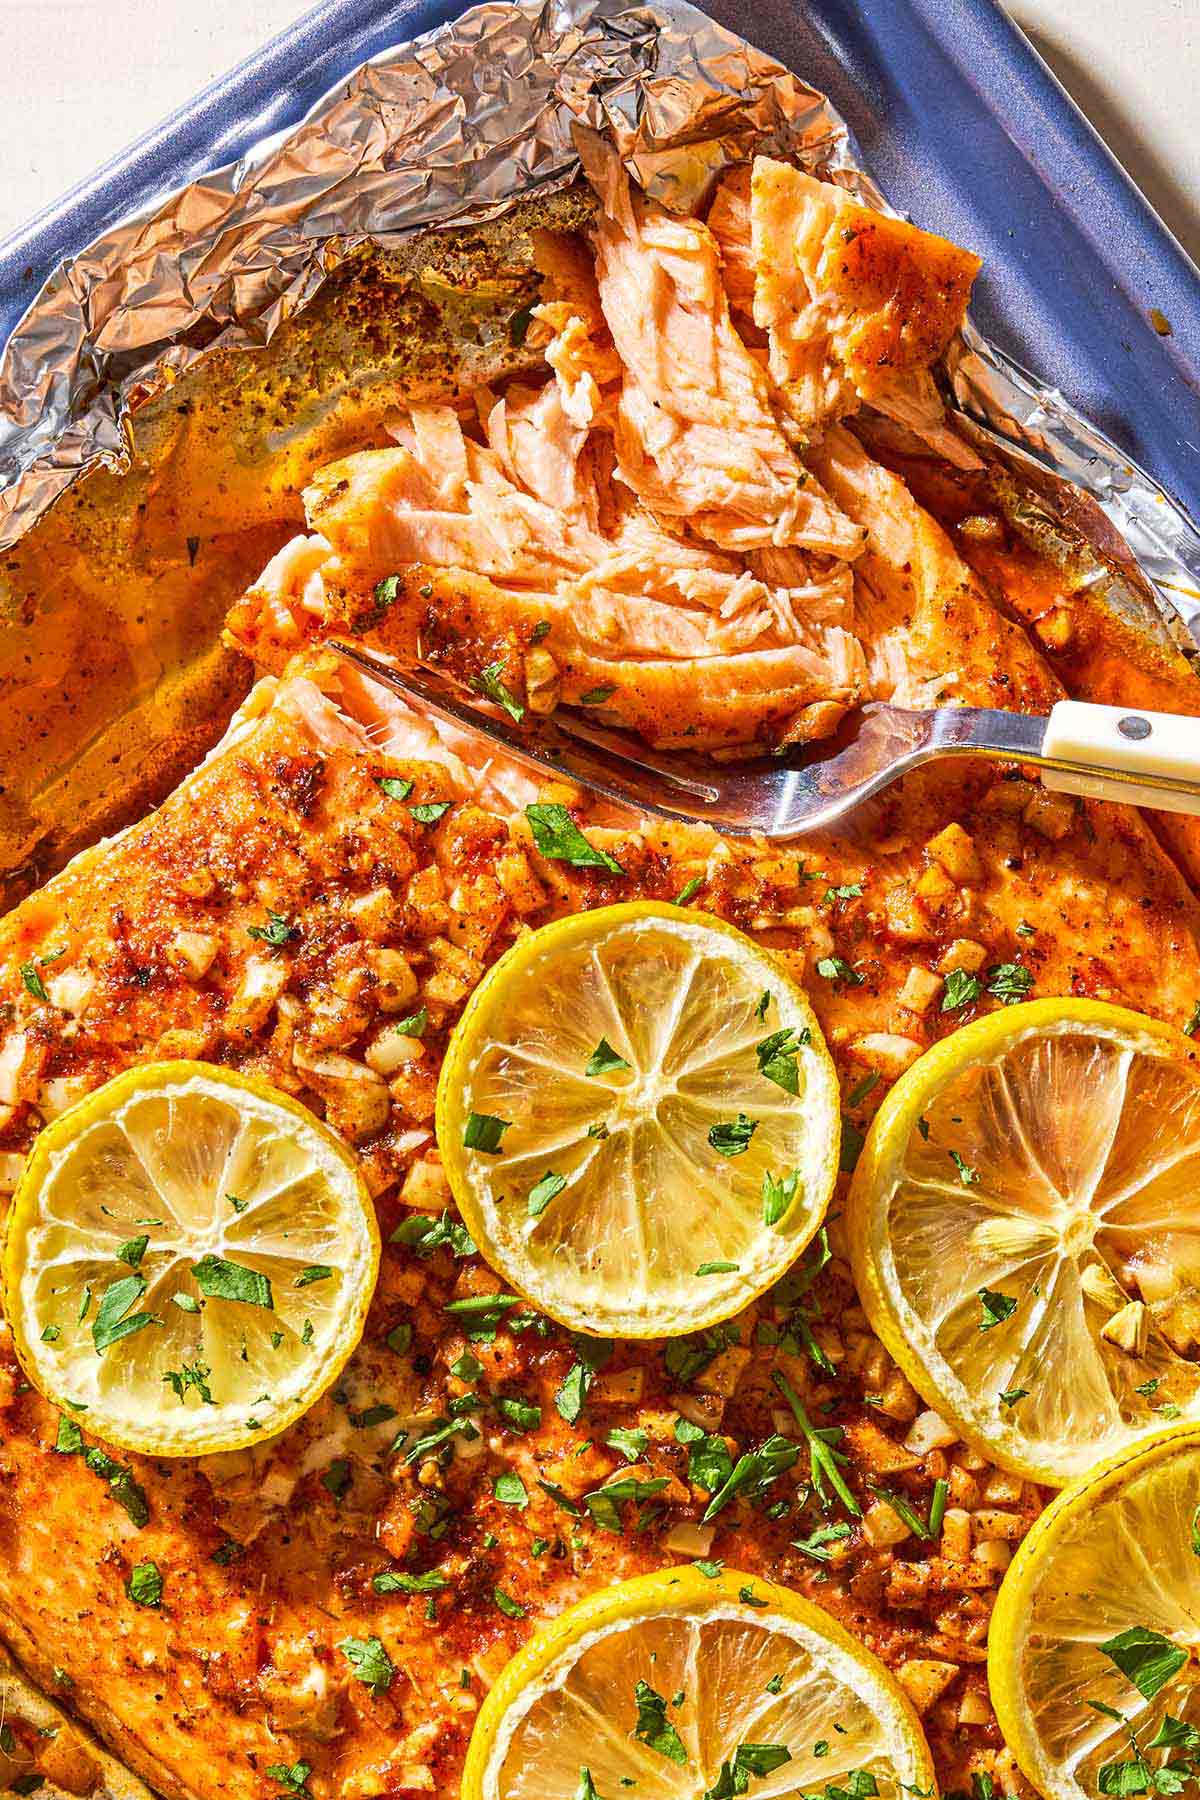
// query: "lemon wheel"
[[1093, 1642], [1025, 1231], [189, 1260], [662, 1685], [639, 1119]]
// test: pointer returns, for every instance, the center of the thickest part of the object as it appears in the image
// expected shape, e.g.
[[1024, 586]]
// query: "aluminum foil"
[[448, 129]]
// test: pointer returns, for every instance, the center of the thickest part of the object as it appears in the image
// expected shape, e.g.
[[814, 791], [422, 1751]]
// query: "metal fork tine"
[[576, 754]]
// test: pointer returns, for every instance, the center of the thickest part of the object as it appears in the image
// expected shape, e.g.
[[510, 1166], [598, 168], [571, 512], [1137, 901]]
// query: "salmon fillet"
[[268, 1555]]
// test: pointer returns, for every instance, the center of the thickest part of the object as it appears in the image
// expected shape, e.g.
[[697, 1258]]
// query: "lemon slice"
[[189, 1260], [615, 1148], [1025, 1232], [654, 1686], [1115, 1558]]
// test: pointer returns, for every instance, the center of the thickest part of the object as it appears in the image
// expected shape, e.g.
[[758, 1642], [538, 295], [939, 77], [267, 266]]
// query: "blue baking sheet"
[[955, 115]]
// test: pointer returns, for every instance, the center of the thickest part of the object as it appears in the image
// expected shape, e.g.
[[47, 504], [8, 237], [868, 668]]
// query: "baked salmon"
[[557, 541], [144, 948]]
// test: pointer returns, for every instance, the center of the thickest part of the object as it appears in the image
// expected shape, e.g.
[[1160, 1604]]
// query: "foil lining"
[[452, 128]]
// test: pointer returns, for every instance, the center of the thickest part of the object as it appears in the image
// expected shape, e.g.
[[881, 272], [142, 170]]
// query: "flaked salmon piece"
[[638, 593], [695, 433], [376, 509], [580, 348], [539, 444], [856, 306], [930, 630], [729, 222]]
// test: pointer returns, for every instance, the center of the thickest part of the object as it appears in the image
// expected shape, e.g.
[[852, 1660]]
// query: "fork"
[[1103, 752]]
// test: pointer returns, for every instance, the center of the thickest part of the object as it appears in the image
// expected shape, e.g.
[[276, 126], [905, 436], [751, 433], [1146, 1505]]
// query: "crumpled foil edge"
[[452, 128]]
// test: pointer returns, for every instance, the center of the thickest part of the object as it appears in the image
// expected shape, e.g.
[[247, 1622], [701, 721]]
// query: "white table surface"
[[79, 79]]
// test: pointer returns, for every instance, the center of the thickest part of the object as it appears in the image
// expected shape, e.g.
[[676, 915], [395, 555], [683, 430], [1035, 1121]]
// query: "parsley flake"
[[219, 1279], [732, 1137], [558, 837], [370, 1661]]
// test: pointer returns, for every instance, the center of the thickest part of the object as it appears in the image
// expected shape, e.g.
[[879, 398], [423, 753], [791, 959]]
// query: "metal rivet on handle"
[[1133, 727]]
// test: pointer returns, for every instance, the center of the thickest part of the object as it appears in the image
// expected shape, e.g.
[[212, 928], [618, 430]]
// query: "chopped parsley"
[[591, 1355], [653, 1728], [134, 1251], [425, 1234], [394, 786], [718, 1268], [510, 1490], [966, 1174], [778, 1193], [70, 1439], [604, 1060], [431, 811], [483, 1131], [113, 1319], [777, 1057], [815, 1545], [1192, 1028], [219, 1279], [631, 1444], [291, 1777], [488, 683], [33, 981], [753, 1473], [558, 837], [121, 1484], [314, 1272], [1009, 982], [145, 1584], [604, 1503], [1145, 1658], [392, 1581], [732, 1137], [522, 1415], [370, 1662], [748, 1759], [191, 1377], [836, 968], [276, 932], [691, 888], [544, 1191], [413, 1024], [512, 1609], [996, 1308], [596, 696], [960, 990]]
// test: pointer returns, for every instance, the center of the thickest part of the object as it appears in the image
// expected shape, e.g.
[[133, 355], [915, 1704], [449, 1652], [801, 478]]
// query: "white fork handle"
[[1154, 757]]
